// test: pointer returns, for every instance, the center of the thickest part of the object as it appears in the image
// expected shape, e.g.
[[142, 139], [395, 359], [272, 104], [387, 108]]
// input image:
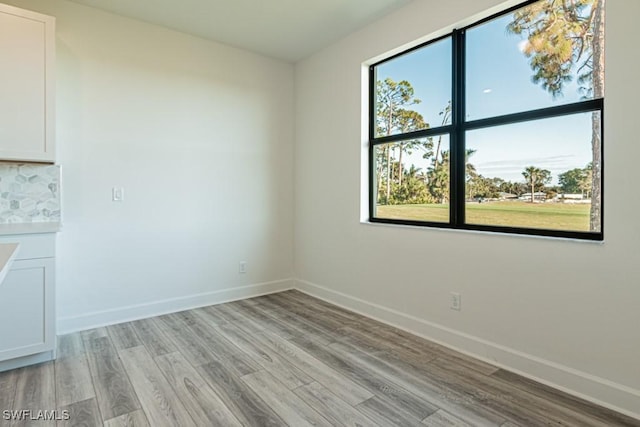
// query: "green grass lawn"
[[551, 216]]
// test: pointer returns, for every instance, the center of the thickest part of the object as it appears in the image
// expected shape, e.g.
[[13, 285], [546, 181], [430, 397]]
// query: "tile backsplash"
[[29, 193]]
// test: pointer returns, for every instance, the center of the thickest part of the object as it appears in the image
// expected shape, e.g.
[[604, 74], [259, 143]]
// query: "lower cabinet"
[[27, 311]]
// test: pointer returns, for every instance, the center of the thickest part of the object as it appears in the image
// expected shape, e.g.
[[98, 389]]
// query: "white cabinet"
[[27, 83], [27, 297]]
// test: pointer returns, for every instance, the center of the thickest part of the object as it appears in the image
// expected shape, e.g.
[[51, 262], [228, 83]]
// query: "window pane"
[[536, 174], [412, 179], [548, 53], [413, 91]]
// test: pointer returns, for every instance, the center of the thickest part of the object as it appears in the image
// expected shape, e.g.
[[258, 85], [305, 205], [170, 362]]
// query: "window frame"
[[457, 133]]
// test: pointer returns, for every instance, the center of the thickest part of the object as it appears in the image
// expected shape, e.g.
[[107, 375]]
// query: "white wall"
[[575, 325], [199, 134], [201, 137]]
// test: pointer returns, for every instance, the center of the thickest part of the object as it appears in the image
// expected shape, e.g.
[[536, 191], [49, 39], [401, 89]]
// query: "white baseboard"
[[66, 325], [601, 391], [7, 365]]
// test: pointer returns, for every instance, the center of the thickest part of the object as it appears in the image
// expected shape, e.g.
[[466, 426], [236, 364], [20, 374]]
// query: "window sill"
[[479, 232]]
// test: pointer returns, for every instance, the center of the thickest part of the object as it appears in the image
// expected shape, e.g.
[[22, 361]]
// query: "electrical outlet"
[[242, 269], [117, 194], [456, 301]]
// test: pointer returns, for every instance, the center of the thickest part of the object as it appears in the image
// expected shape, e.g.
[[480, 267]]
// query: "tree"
[[469, 168], [479, 187], [471, 174], [586, 183], [446, 118], [552, 191], [577, 181], [438, 178], [536, 179], [412, 190], [563, 36], [438, 175], [517, 188], [570, 180], [393, 117], [409, 120]]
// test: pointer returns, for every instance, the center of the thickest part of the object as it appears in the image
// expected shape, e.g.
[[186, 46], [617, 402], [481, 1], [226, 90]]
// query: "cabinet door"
[[26, 85], [27, 310]]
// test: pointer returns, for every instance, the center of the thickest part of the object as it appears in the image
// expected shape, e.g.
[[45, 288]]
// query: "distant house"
[[577, 196], [508, 196], [537, 196]]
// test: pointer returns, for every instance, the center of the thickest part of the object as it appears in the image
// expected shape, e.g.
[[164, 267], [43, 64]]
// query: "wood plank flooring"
[[278, 360]]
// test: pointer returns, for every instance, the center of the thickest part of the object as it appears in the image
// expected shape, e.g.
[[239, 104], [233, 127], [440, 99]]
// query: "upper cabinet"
[[27, 85]]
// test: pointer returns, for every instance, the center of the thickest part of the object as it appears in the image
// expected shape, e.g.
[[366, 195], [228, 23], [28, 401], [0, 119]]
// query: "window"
[[496, 126]]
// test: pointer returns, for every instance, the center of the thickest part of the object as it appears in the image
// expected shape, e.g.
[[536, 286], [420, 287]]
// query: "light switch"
[[117, 194]]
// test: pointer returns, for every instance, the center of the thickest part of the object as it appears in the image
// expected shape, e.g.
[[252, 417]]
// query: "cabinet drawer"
[[33, 246], [27, 313]]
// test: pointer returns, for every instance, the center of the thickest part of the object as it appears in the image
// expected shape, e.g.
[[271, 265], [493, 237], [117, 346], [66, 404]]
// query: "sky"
[[498, 82]]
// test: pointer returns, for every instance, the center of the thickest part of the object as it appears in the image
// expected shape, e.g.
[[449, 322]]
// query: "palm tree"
[[536, 178]]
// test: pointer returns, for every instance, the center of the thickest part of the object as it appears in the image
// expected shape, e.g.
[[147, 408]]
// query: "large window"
[[496, 126]]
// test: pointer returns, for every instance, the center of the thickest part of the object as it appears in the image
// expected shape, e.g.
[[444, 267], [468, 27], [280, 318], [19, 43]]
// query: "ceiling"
[[285, 29]]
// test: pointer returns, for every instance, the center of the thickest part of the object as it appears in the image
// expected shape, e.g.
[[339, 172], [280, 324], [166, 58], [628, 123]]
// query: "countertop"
[[29, 228]]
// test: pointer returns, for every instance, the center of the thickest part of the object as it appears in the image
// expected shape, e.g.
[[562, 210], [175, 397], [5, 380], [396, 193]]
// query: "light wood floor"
[[284, 359]]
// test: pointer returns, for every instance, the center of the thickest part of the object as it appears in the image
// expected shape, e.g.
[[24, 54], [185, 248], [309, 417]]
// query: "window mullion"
[[372, 133], [457, 180]]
